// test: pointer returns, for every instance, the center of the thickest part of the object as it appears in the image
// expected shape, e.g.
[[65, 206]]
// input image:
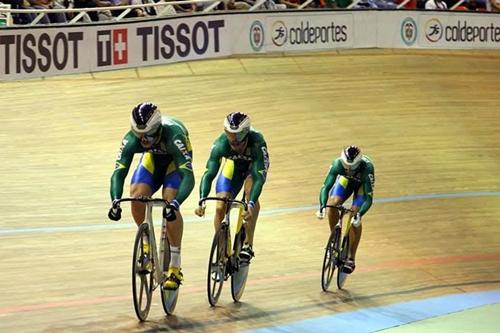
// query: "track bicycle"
[[337, 250], [224, 261], [147, 264]]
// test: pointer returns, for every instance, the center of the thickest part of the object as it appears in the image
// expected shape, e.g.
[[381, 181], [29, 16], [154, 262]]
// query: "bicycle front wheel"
[[344, 252], [217, 266], [142, 273], [330, 259], [239, 277]]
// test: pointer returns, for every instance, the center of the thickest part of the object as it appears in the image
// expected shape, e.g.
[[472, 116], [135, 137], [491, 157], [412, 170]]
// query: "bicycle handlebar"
[[225, 200], [340, 208], [143, 199]]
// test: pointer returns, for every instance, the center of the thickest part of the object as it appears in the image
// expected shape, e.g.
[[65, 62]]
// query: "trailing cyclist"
[[351, 174], [246, 162], [166, 161]]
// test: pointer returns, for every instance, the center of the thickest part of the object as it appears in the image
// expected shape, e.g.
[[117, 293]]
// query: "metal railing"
[[162, 8]]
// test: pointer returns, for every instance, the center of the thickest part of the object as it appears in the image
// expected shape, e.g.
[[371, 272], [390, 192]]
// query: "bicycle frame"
[[142, 295], [160, 265], [337, 249], [224, 259], [159, 261], [230, 204], [342, 212]]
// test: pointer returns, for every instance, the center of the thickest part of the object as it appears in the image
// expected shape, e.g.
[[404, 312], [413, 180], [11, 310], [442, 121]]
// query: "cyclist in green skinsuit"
[[166, 161], [351, 173], [246, 163]]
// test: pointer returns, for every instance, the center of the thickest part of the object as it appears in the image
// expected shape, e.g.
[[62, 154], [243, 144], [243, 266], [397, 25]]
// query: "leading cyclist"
[[166, 161]]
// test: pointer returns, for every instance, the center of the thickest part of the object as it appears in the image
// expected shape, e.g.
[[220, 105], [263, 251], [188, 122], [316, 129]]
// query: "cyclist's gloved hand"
[[169, 211], [115, 212], [356, 220], [320, 214], [200, 211]]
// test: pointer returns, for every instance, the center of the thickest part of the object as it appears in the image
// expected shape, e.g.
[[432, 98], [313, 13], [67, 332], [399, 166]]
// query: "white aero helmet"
[[351, 157], [237, 123], [145, 119]]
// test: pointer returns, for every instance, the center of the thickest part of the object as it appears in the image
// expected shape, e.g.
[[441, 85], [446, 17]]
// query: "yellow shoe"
[[145, 262], [145, 248], [174, 278]]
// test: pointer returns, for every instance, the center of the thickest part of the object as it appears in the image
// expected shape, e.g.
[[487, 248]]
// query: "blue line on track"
[[384, 317], [268, 212]]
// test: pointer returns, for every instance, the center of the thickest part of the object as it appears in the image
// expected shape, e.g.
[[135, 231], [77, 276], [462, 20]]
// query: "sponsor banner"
[[46, 51], [160, 42], [309, 32], [42, 52], [459, 31], [39, 52]]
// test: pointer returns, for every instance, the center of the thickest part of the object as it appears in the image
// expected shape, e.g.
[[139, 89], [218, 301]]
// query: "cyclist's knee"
[[220, 209], [169, 193], [139, 189], [335, 200]]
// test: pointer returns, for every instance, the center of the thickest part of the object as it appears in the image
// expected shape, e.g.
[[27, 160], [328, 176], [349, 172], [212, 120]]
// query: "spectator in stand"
[[436, 4], [237, 5], [20, 18], [494, 5], [136, 12], [185, 8], [296, 4], [94, 16], [52, 17], [476, 5], [412, 4]]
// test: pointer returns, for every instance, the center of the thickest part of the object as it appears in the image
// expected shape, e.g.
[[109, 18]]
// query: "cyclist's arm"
[[327, 185], [211, 170], [183, 162], [368, 185], [122, 166], [260, 165]]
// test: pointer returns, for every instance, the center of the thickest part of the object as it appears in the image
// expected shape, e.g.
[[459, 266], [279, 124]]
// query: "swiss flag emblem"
[[120, 46]]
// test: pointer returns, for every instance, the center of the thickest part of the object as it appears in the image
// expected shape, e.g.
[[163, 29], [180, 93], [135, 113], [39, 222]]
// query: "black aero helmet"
[[351, 157], [237, 123], [145, 119]]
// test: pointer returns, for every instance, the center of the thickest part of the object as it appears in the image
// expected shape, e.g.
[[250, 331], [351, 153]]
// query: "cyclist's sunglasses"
[[237, 139], [149, 137]]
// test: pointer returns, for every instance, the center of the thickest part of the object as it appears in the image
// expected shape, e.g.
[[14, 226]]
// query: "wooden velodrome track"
[[429, 120]]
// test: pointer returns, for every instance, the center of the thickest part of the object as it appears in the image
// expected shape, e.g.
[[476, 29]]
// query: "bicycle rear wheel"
[[330, 260], [142, 274], [217, 265], [239, 277], [344, 252]]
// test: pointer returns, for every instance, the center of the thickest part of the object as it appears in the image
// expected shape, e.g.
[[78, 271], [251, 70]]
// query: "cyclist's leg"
[[355, 233], [250, 225], [143, 183], [171, 183], [338, 194], [228, 184]]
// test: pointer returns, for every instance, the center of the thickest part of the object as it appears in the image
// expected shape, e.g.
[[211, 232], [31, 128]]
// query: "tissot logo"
[[112, 47]]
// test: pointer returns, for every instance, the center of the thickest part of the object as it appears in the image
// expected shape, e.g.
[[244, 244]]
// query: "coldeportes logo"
[[433, 30], [256, 36], [279, 33], [409, 31]]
